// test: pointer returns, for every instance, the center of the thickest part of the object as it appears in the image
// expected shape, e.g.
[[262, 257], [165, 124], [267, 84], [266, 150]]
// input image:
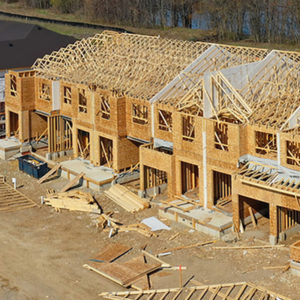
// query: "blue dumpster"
[[33, 166]]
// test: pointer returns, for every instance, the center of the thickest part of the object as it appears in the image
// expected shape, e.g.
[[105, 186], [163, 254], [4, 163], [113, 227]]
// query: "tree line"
[[275, 21]]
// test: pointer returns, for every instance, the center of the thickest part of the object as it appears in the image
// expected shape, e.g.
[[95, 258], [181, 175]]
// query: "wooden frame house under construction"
[[221, 121]]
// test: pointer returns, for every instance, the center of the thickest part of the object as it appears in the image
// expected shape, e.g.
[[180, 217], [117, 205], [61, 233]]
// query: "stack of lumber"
[[74, 200], [126, 199], [11, 199]]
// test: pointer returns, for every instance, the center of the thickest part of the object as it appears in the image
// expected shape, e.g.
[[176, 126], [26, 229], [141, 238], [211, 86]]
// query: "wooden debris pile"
[[105, 221], [126, 199], [133, 272], [74, 200]]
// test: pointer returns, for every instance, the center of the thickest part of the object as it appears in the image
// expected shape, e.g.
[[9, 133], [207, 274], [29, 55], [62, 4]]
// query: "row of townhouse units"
[[219, 120]]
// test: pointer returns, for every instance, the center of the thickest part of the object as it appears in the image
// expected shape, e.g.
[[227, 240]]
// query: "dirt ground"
[[42, 252]]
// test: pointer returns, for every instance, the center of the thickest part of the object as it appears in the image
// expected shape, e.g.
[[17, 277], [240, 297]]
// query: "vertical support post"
[[278, 148], [204, 164], [236, 212], [273, 224]]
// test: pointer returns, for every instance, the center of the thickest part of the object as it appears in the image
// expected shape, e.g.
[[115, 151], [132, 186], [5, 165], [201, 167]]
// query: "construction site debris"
[[74, 200], [125, 274], [111, 252], [126, 199], [187, 246], [237, 291], [155, 224]]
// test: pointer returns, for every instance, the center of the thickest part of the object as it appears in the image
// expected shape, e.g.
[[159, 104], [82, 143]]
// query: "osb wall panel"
[[192, 149], [16, 102], [38, 124], [106, 125], [284, 138], [159, 133], [122, 129], [83, 118], [252, 143], [68, 110], [42, 104], [127, 153], [232, 155], [156, 159], [139, 131]]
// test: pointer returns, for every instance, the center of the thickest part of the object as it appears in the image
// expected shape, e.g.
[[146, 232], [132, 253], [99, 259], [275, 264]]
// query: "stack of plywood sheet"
[[75, 200], [130, 273], [126, 199]]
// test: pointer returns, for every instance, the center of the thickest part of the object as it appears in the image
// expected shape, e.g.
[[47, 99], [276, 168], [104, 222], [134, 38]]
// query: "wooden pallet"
[[234, 291], [11, 199]]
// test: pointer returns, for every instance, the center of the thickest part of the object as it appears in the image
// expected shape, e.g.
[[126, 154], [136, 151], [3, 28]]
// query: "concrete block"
[[273, 239]]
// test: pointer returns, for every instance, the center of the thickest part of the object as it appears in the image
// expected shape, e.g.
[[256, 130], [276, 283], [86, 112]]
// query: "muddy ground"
[[42, 252]]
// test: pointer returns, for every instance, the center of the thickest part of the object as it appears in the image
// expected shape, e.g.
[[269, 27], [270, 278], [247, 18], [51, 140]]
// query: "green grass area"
[[81, 32]]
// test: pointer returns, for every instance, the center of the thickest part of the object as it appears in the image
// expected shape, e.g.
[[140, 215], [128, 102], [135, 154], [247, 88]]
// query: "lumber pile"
[[126, 199], [74, 200]]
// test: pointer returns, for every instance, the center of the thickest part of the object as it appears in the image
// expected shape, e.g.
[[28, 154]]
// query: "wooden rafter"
[[134, 65]]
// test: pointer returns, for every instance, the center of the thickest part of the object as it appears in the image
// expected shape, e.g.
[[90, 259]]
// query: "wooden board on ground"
[[124, 273], [126, 199], [72, 182], [112, 251], [74, 200], [11, 199], [47, 175], [236, 291]]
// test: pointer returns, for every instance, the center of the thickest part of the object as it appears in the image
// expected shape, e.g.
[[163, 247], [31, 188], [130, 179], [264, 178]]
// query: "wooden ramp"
[[11, 199], [126, 199], [72, 182], [232, 291], [47, 175]]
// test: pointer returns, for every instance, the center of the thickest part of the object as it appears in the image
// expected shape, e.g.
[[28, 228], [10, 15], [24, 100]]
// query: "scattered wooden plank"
[[188, 246], [47, 175], [249, 247], [72, 182], [112, 251]]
